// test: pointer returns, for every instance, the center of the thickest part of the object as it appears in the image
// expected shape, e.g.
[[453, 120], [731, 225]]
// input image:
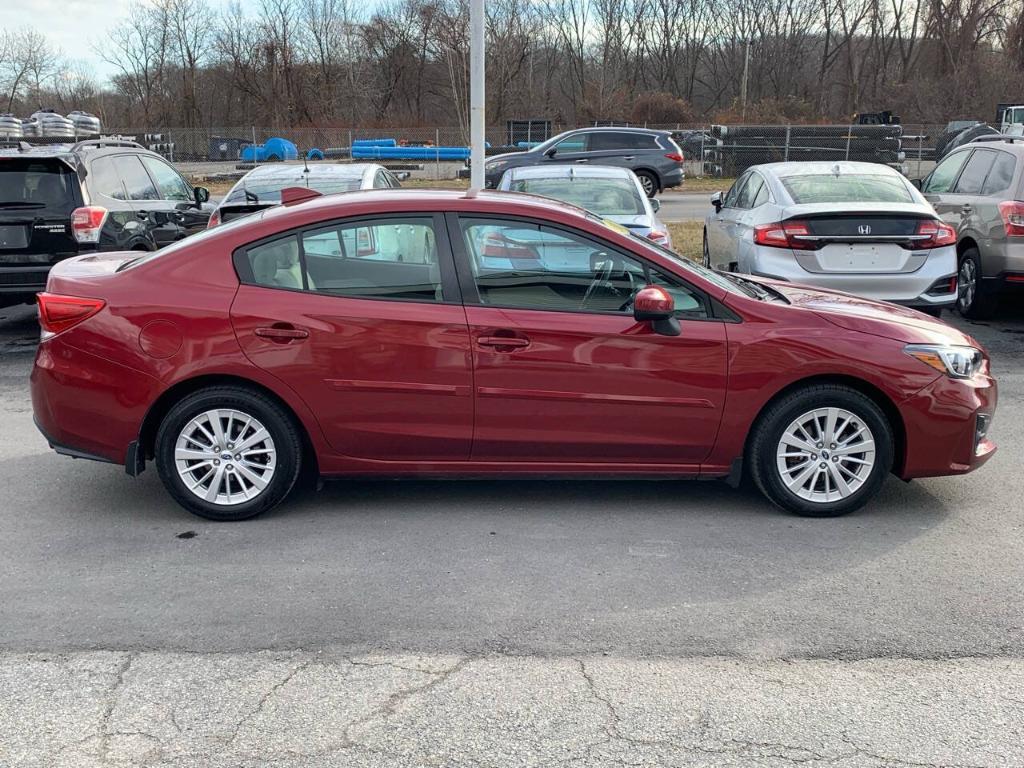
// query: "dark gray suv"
[[652, 155], [978, 189]]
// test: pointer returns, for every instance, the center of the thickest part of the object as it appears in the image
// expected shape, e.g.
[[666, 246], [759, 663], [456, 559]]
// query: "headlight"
[[958, 362]]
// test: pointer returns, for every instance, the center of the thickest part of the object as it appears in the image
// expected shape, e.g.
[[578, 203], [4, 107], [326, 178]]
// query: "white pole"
[[476, 95]]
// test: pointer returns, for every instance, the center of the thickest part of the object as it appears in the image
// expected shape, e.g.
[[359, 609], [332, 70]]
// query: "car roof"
[[1003, 142], [817, 168], [621, 129], [553, 171]]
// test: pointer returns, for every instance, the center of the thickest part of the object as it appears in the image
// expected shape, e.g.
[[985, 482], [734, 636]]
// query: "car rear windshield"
[[847, 188], [41, 184], [605, 197], [268, 190]]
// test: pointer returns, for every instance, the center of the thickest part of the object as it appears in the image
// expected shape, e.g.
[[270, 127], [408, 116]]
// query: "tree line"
[[331, 63]]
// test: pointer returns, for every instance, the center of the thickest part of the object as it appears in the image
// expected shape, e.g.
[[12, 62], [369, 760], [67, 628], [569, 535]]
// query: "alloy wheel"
[[967, 285], [225, 456], [825, 455], [648, 184]]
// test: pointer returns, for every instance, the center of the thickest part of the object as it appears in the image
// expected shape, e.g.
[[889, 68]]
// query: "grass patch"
[[687, 238], [436, 183], [702, 184]]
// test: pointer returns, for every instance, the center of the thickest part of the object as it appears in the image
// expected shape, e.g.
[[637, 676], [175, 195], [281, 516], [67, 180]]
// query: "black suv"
[[61, 200]]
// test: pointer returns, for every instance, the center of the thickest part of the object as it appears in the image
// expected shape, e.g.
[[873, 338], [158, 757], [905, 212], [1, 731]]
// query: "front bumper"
[[86, 406], [941, 424], [912, 289]]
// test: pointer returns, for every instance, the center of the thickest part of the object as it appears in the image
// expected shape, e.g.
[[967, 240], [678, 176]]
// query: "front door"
[[562, 371], [357, 319]]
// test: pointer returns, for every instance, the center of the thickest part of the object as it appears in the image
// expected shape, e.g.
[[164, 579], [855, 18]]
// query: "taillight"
[[657, 236], [1012, 212], [58, 313], [784, 234], [87, 223], [675, 157], [214, 220], [938, 233]]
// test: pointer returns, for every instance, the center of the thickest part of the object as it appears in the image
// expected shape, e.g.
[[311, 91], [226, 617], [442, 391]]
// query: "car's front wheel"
[[228, 453], [821, 451]]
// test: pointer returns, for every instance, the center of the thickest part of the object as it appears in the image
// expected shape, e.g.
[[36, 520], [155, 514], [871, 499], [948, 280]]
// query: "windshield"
[[847, 188], [267, 189], [605, 197]]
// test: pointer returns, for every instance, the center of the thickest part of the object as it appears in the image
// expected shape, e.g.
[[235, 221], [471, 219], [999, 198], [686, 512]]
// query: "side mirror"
[[550, 152], [655, 305], [716, 200], [916, 183], [655, 204], [202, 195]]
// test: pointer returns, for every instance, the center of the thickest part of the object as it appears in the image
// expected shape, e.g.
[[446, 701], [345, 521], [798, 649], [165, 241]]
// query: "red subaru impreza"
[[436, 333]]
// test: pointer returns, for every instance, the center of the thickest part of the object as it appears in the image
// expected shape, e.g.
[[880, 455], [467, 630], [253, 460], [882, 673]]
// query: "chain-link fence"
[[441, 153]]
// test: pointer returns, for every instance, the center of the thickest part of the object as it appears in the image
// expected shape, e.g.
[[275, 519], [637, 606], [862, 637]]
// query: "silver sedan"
[[861, 228]]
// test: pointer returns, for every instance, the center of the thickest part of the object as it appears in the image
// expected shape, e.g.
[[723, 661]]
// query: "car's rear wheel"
[[228, 453], [971, 299], [821, 451], [648, 182]]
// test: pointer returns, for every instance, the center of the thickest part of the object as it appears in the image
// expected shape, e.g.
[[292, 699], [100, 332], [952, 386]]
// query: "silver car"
[[861, 228], [612, 193]]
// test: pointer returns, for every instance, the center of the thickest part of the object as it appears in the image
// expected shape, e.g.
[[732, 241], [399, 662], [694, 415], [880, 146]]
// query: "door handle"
[[503, 341], [630, 158], [582, 160], [967, 208], [144, 215], [282, 334]]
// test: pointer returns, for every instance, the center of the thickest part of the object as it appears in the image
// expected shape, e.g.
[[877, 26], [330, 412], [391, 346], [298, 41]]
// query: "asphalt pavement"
[[508, 623], [684, 206]]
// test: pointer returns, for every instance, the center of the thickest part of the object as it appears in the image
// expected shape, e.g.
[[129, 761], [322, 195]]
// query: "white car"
[[861, 228]]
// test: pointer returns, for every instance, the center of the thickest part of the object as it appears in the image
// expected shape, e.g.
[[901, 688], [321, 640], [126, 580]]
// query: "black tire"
[[773, 422], [649, 182], [933, 311], [706, 252], [278, 423], [972, 300]]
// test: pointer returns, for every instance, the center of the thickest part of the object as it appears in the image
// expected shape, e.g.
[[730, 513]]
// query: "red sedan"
[[436, 333]]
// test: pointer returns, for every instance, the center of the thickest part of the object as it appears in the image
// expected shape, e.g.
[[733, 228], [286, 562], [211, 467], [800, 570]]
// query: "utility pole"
[[476, 95], [743, 82]]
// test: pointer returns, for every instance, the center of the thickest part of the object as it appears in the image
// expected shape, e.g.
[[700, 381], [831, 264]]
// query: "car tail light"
[[657, 236], [939, 234], [1012, 212], [58, 313], [87, 222], [214, 220], [784, 234], [675, 157], [1015, 278]]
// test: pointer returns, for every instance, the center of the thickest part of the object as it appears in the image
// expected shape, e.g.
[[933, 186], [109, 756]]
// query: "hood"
[[877, 318], [505, 156]]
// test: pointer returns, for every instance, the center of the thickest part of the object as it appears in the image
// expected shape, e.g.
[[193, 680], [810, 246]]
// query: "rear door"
[[123, 228], [962, 201], [363, 319], [37, 196], [938, 185]]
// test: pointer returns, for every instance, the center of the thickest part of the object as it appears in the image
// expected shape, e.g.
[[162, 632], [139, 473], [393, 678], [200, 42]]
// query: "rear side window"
[[847, 188], [169, 183], [752, 191], [611, 140], [382, 259], [1001, 174], [136, 180], [104, 179], [973, 177], [38, 184], [942, 178]]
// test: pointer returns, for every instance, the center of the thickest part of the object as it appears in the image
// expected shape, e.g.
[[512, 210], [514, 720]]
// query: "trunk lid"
[[86, 275]]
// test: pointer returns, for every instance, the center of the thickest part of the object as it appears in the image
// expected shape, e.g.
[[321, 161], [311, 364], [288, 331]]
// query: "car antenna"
[[305, 163], [835, 170]]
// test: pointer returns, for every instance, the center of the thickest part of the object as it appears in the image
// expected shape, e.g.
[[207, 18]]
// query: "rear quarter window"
[[847, 188]]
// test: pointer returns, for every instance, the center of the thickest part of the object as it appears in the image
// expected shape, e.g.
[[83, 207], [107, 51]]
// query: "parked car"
[[427, 332], [261, 187], [61, 200], [615, 194], [978, 189], [652, 155], [856, 227]]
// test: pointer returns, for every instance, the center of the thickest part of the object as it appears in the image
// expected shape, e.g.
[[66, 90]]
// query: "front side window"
[[523, 265], [383, 259], [732, 196], [136, 180], [169, 184], [577, 142], [945, 173]]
